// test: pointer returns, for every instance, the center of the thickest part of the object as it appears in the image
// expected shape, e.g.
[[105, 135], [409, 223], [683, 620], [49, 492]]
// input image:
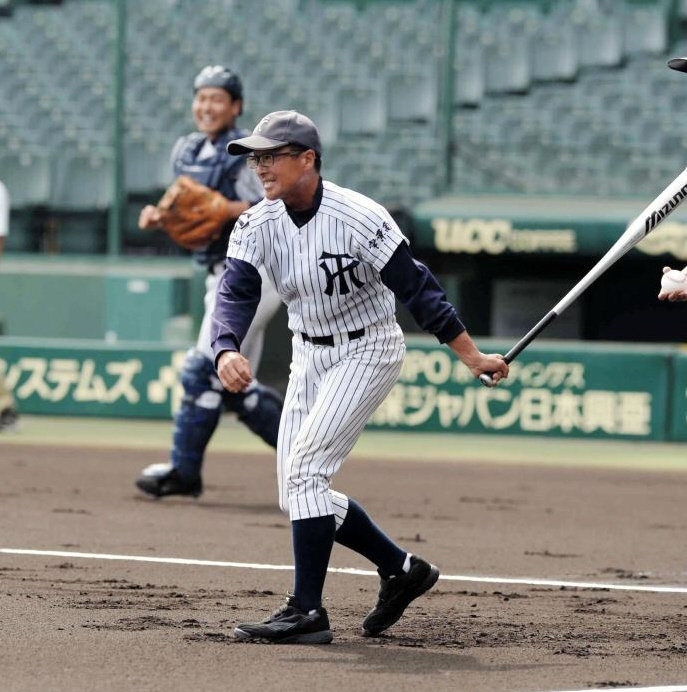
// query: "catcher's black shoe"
[[161, 480], [289, 625], [396, 593], [9, 420]]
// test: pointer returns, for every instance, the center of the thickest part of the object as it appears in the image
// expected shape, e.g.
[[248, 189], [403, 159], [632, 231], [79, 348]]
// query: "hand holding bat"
[[479, 363]]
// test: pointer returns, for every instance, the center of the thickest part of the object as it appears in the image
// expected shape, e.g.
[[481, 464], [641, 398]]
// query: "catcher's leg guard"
[[260, 410], [198, 415]]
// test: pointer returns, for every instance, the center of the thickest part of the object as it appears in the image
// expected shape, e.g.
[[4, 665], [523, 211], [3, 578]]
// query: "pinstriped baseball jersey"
[[327, 271]]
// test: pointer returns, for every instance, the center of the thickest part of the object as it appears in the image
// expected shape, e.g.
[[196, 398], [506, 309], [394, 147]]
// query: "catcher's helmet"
[[221, 77]]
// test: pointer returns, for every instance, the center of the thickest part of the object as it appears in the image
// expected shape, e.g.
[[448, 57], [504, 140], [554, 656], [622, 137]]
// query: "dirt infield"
[[79, 623]]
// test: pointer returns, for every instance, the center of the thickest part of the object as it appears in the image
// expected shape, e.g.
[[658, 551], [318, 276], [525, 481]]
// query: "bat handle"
[[486, 379]]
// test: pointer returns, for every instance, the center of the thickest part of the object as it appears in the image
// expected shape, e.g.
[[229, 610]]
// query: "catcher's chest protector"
[[217, 170]]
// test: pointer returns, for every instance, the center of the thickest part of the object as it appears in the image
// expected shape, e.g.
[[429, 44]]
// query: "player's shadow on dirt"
[[416, 661]]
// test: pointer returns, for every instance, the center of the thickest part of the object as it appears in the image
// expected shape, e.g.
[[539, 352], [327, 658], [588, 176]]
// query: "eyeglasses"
[[267, 160]]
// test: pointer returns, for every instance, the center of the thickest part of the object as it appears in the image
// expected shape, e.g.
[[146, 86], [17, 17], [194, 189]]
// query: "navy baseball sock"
[[359, 533], [313, 540]]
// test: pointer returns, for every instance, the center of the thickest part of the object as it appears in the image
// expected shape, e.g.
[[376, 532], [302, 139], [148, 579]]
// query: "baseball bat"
[[647, 221]]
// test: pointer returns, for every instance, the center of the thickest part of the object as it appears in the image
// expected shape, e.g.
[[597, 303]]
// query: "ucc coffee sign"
[[496, 236], [498, 225]]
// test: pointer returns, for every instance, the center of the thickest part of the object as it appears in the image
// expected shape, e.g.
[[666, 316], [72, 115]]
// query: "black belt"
[[331, 340]]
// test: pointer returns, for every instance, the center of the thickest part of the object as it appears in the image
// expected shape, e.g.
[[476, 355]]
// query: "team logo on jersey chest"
[[334, 268]]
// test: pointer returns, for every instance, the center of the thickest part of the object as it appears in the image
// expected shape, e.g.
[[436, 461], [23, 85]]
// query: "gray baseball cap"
[[278, 129]]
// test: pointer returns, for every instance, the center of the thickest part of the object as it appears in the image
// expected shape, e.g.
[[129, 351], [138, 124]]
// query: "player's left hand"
[[234, 371]]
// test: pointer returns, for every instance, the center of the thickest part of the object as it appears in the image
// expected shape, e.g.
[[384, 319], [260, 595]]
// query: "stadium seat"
[[554, 54], [83, 182], [413, 97], [146, 166], [28, 176], [325, 114], [599, 42], [646, 28], [361, 111], [507, 65], [468, 74]]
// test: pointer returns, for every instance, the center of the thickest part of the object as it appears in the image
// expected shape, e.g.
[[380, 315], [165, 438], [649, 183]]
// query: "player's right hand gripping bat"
[[646, 222]]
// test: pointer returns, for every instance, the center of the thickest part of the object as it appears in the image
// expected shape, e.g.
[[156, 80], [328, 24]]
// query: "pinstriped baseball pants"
[[332, 392]]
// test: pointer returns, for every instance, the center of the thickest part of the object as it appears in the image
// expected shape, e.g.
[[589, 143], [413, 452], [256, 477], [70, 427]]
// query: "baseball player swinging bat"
[[646, 222]]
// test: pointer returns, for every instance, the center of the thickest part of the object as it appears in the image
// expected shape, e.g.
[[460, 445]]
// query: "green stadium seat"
[[413, 97], [28, 177], [468, 71], [362, 110], [554, 54], [600, 42], [147, 166], [645, 28], [83, 182]]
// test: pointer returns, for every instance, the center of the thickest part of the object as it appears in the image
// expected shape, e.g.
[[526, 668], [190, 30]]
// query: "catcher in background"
[[212, 188]]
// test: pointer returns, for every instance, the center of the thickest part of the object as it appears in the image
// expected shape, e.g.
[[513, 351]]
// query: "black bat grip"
[[486, 377]]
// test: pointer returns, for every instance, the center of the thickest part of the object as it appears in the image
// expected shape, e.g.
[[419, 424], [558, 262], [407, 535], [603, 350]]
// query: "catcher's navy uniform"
[[204, 399]]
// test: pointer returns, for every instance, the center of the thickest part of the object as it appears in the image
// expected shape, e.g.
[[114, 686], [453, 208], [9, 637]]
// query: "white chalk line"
[[350, 570]]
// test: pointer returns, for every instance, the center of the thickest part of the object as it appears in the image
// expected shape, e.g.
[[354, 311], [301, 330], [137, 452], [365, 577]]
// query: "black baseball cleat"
[[161, 480], [288, 625], [396, 593], [9, 420]]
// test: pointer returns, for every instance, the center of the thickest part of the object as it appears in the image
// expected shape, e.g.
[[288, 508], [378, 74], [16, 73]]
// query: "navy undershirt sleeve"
[[238, 295], [417, 288]]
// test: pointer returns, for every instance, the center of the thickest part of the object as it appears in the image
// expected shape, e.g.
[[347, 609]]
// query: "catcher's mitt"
[[192, 214]]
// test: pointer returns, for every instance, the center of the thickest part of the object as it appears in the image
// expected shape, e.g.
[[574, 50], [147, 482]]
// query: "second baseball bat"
[[647, 221]]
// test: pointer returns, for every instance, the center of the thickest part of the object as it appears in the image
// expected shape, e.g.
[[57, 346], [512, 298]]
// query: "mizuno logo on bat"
[[653, 219]]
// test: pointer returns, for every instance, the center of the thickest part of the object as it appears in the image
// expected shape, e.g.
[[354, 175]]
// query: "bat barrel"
[[673, 195]]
